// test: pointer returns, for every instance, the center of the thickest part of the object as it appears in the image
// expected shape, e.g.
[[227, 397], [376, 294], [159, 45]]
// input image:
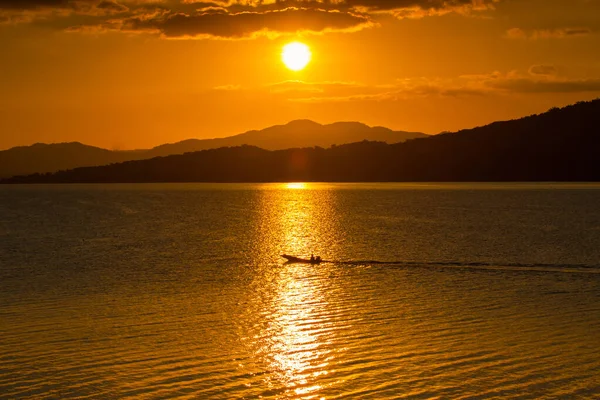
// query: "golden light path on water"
[[295, 342], [296, 185]]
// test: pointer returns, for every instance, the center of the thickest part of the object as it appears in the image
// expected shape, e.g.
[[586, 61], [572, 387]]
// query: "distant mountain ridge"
[[42, 158], [298, 133], [559, 145]]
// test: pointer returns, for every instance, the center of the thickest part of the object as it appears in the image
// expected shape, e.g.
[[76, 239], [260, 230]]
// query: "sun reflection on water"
[[296, 185], [292, 340], [296, 353]]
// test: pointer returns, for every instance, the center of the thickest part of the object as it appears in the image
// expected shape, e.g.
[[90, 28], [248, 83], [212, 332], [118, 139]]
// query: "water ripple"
[[197, 304]]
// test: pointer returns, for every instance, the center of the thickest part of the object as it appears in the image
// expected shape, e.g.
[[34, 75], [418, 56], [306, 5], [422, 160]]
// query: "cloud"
[[297, 87], [558, 33], [112, 6], [222, 25], [228, 87], [401, 89], [33, 4], [541, 79], [543, 70], [421, 8], [252, 24], [19, 12], [13, 12], [401, 8], [339, 91], [526, 85], [76, 5], [229, 19]]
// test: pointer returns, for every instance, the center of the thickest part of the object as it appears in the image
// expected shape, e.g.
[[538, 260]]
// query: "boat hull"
[[298, 260]]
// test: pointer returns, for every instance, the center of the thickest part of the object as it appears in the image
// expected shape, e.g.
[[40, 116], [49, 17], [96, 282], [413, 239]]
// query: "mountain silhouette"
[[43, 158], [299, 133], [559, 145]]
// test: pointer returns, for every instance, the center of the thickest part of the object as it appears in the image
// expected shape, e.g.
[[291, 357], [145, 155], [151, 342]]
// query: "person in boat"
[[318, 259], [312, 258]]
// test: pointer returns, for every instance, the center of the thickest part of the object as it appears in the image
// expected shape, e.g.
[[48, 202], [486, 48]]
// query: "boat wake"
[[540, 267]]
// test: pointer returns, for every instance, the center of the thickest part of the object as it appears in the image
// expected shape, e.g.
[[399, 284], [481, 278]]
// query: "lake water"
[[458, 291]]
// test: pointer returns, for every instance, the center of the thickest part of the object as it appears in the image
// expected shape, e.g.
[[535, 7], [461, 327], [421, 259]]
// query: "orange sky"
[[138, 73]]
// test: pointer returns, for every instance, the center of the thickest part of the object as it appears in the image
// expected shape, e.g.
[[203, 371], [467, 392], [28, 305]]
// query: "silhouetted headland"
[[559, 145]]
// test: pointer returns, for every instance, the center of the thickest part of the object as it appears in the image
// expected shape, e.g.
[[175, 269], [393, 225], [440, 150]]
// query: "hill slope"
[[560, 145], [43, 158]]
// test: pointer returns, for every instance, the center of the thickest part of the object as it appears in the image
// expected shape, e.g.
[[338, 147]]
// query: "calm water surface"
[[178, 291]]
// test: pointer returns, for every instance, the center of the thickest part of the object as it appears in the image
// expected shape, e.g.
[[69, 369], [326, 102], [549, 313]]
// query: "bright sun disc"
[[296, 56]]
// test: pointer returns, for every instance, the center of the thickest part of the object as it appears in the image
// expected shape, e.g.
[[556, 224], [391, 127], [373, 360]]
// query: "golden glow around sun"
[[296, 56]]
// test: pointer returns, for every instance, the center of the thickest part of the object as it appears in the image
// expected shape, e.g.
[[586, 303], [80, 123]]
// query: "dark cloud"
[[221, 24], [543, 70], [576, 31], [260, 6], [76, 5], [390, 5], [557, 33], [33, 4], [233, 18], [112, 6]]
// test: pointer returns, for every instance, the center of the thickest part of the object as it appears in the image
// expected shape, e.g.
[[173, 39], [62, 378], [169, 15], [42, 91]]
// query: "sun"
[[296, 56]]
